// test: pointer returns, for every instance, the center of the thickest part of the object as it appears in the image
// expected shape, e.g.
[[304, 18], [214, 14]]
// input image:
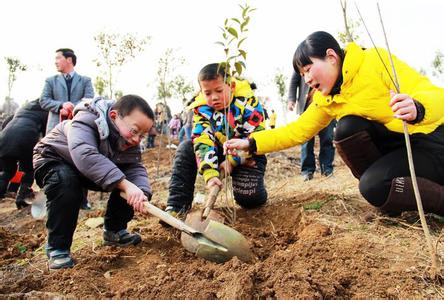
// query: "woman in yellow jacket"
[[356, 88]]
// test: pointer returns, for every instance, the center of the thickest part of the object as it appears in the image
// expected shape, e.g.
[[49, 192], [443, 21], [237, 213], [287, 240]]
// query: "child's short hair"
[[128, 103], [211, 72]]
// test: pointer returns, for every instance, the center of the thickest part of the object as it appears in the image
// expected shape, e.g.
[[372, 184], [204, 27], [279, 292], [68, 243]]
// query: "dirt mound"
[[310, 240]]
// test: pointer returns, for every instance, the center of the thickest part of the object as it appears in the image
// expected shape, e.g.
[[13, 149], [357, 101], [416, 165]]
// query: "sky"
[[33, 30]]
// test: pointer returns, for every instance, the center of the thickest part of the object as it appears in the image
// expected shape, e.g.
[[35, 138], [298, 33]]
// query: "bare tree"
[[99, 85], [350, 26], [14, 65], [437, 64], [279, 80], [115, 50], [166, 82], [182, 89]]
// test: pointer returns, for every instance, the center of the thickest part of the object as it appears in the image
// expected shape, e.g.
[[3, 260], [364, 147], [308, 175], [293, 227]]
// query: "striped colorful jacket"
[[245, 115]]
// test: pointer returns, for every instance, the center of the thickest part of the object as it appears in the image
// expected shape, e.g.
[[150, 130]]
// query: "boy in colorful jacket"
[[220, 109], [99, 150]]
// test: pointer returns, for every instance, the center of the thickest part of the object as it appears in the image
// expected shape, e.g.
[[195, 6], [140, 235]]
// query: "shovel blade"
[[214, 229], [38, 206], [194, 219], [232, 240]]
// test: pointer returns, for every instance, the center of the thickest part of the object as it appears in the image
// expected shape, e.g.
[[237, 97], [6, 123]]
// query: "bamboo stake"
[[433, 253]]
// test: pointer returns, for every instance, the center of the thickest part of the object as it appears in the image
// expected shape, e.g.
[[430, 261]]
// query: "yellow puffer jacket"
[[365, 92]]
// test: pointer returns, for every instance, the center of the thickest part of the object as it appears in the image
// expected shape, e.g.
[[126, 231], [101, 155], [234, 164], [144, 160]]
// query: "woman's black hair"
[[315, 45]]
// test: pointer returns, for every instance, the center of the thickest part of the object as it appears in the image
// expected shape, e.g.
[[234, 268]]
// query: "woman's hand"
[[231, 146], [403, 106], [226, 167]]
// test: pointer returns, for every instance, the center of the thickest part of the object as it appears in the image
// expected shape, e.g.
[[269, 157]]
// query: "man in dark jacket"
[[98, 149], [17, 140]]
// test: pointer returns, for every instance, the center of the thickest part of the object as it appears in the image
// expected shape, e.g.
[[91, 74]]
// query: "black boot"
[[3, 188], [25, 196], [183, 177], [402, 197], [358, 152]]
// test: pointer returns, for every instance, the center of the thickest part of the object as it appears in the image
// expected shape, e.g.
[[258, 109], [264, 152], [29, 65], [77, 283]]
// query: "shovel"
[[218, 243], [38, 206], [200, 219]]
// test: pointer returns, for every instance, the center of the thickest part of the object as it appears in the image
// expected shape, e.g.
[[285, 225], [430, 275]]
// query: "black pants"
[[64, 186], [248, 182], [375, 182], [8, 168]]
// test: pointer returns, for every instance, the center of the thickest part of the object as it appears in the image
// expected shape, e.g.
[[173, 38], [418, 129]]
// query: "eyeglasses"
[[132, 131]]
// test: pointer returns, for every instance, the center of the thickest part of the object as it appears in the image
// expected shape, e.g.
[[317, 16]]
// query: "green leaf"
[[236, 20], [233, 32], [238, 67], [245, 23], [313, 206], [220, 43], [241, 41], [21, 248], [243, 53]]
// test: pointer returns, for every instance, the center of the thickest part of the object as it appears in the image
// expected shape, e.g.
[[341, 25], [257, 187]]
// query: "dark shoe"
[[307, 176], [85, 205], [60, 259], [24, 197], [120, 238], [20, 203], [327, 174], [177, 212]]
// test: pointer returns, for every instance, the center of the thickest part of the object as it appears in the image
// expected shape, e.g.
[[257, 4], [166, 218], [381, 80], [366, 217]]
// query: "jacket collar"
[[354, 56]]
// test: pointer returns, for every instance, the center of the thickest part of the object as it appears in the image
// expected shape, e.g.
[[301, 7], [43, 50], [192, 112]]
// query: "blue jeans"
[[184, 133], [326, 152]]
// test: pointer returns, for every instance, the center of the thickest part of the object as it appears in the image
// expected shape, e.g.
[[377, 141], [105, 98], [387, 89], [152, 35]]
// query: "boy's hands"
[[134, 196], [403, 106], [231, 146], [213, 182]]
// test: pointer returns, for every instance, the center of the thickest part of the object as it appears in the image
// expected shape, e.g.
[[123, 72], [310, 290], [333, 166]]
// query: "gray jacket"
[[89, 143], [299, 87], [55, 93]]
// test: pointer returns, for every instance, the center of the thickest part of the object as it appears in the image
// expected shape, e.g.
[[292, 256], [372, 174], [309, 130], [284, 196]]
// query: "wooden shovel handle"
[[166, 217], [210, 201]]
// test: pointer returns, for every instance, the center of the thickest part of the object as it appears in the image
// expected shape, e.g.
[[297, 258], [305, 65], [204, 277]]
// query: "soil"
[[315, 239]]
